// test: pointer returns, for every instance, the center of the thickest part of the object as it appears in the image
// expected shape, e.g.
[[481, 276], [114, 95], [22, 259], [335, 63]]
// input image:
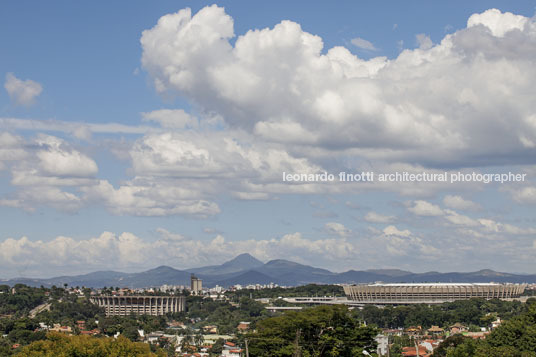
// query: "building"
[[140, 305], [435, 330], [196, 285], [429, 293], [458, 328], [243, 326]]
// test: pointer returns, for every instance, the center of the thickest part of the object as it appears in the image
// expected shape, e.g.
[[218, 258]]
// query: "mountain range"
[[246, 269]]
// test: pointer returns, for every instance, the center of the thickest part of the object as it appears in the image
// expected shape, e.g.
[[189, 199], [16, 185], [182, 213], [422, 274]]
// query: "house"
[[232, 353], [211, 339], [393, 332], [383, 344], [210, 329], [414, 330], [243, 326], [63, 329], [230, 349], [458, 328], [154, 336], [430, 345], [435, 330], [90, 332], [496, 323], [176, 325]]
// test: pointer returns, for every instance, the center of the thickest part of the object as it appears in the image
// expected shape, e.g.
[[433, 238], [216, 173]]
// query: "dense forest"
[[56, 344], [477, 312], [329, 330], [304, 290], [515, 338]]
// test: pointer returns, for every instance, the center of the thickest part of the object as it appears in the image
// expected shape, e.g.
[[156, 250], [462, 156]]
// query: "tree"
[[217, 347], [198, 340], [85, 346], [449, 344], [515, 338], [320, 331]]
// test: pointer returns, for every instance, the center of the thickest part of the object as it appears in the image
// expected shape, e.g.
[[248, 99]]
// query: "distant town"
[[385, 319]]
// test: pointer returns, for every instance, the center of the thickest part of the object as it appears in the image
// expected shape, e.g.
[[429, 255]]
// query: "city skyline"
[[139, 135]]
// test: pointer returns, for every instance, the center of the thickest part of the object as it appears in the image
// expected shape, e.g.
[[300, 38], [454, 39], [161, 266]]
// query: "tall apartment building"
[[196, 285]]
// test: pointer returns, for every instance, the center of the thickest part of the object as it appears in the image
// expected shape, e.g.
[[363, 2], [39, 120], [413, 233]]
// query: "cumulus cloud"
[[138, 198], [425, 208], [58, 160], [393, 231], [337, 229], [525, 195], [12, 148], [363, 44], [282, 86], [22, 92], [498, 23], [424, 41], [459, 219], [128, 251], [29, 198], [458, 202], [402, 248], [374, 217], [46, 171]]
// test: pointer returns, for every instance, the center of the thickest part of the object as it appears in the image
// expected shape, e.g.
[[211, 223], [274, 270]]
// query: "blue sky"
[[124, 149]]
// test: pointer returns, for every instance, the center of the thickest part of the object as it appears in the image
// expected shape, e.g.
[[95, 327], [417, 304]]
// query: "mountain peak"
[[244, 260]]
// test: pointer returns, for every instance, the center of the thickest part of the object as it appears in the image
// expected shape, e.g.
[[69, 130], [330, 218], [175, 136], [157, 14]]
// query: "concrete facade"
[[434, 293], [196, 285], [140, 305]]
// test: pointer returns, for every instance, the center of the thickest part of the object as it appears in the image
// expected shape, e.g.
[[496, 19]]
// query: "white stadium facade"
[[429, 293], [140, 305]]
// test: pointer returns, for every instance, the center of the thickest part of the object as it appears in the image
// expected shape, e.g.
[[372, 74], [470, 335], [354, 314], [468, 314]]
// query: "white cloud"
[[142, 199], [22, 92], [424, 208], [58, 160], [337, 229], [12, 148], [393, 231], [458, 202], [497, 227], [525, 195], [424, 41], [363, 44], [498, 23], [460, 220], [336, 101], [41, 168], [374, 217], [171, 118], [77, 129], [31, 197], [128, 251]]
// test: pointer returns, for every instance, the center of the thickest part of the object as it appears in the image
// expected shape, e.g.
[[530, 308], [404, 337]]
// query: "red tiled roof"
[[411, 351]]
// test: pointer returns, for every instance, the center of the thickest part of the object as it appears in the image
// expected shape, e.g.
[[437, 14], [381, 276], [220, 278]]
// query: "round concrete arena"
[[430, 293]]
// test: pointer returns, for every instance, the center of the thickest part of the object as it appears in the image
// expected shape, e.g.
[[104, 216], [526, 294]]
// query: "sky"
[[136, 134]]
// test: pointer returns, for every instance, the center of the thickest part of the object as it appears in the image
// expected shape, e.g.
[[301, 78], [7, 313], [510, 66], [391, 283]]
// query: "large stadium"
[[430, 293]]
